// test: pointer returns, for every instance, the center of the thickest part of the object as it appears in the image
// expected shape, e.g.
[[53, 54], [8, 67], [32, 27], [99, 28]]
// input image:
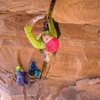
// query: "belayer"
[[22, 76], [34, 70]]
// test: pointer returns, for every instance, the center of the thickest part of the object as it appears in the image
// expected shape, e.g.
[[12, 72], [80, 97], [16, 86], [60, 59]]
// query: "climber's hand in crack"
[[35, 19], [38, 18]]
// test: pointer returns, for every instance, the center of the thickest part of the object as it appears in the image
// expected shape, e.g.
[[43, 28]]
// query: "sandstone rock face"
[[13, 42], [78, 56], [77, 11], [15, 48], [24, 6], [78, 53], [73, 93]]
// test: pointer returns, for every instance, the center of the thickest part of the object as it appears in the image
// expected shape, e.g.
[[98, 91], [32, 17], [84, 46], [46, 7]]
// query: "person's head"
[[52, 43], [46, 38], [18, 68]]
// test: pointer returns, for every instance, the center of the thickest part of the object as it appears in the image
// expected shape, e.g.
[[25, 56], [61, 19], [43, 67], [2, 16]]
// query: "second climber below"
[[47, 40]]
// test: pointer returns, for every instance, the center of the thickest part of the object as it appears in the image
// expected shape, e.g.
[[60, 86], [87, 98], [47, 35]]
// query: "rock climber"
[[47, 40], [20, 76], [34, 70]]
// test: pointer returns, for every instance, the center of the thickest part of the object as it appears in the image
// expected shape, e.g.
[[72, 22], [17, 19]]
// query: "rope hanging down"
[[44, 66]]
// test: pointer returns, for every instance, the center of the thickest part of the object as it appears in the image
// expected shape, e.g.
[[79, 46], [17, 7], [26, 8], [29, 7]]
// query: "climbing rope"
[[43, 68], [45, 56]]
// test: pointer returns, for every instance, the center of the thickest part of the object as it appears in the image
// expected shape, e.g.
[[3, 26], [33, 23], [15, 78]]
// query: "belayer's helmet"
[[18, 68]]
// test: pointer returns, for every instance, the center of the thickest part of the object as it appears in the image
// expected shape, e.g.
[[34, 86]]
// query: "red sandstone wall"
[[78, 55]]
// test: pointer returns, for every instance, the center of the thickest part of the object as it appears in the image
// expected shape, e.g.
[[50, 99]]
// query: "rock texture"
[[78, 56], [24, 6], [80, 92], [14, 45], [78, 11], [78, 53]]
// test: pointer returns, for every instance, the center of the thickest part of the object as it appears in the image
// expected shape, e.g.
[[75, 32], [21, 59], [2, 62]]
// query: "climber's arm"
[[28, 30], [52, 28], [37, 44]]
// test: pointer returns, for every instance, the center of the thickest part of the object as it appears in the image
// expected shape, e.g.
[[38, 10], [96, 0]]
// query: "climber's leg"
[[45, 55]]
